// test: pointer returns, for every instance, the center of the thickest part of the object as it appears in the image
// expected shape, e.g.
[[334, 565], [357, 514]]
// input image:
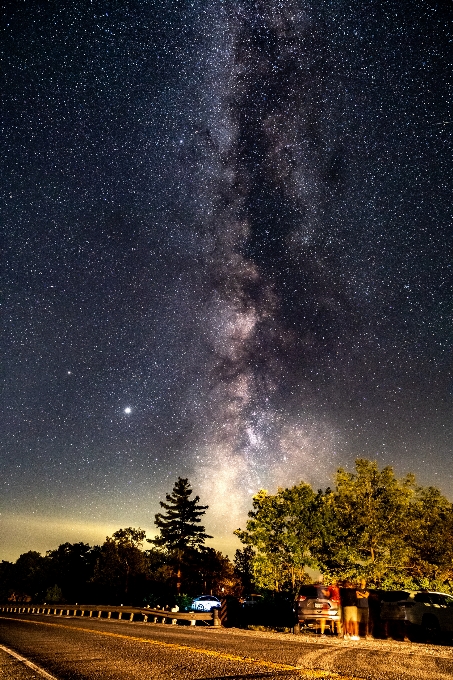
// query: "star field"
[[228, 231]]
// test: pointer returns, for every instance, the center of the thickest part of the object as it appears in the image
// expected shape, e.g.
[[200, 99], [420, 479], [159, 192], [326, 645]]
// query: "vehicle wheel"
[[431, 629], [415, 633]]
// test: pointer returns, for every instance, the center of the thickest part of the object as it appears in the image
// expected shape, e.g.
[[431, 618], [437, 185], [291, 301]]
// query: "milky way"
[[264, 149], [228, 255], [297, 326]]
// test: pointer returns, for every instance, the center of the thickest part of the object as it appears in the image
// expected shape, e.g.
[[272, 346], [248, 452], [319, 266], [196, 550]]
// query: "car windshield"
[[308, 591]]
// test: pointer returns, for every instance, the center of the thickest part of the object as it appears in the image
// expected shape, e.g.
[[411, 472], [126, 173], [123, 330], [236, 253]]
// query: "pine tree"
[[180, 526]]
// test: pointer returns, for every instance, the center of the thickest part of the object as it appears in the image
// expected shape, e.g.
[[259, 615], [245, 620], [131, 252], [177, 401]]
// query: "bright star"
[[128, 409]]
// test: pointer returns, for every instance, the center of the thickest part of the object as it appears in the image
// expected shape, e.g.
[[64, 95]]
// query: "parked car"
[[423, 612], [251, 600], [205, 603], [275, 610], [315, 604]]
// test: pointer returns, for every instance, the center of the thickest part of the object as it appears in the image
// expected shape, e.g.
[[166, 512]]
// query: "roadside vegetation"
[[370, 525], [392, 532]]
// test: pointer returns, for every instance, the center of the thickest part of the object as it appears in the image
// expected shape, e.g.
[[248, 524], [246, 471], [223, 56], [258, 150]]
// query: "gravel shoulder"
[[388, 645]]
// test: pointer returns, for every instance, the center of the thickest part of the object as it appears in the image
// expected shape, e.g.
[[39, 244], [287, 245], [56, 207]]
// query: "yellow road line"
[[308, 672]]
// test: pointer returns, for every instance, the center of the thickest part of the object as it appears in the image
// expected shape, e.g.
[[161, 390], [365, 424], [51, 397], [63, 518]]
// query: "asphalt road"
[[69, 648]]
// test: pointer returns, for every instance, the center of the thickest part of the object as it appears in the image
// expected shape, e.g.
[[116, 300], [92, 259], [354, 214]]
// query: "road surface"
[[75, 648]]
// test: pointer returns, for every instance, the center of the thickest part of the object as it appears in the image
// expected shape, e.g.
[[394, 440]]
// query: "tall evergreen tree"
[[180, 526]]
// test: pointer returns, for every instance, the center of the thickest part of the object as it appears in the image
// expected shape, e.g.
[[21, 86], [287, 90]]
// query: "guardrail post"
[[120, 615], [224, 612], [131, 617], [215, 617], [109, 615], [99, 614]]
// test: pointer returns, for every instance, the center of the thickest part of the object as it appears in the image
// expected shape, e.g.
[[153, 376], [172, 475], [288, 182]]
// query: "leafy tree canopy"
[[281, 528], [121, 564], [373, 525], [373, 509]]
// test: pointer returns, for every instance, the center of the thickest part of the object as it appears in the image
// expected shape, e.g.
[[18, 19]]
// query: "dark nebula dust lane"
[[228, 254]]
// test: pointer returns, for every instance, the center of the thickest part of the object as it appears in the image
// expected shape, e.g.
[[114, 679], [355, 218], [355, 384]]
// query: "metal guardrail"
[[130, 614]]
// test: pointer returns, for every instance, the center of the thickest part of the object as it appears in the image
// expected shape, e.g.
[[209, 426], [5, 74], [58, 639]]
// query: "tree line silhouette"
[[371, 525]]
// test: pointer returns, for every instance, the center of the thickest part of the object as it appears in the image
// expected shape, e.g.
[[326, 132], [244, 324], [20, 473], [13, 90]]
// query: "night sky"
[[228, 231]]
